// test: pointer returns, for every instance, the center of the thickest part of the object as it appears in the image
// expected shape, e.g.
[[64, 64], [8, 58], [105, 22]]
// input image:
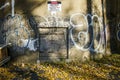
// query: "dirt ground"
[[107, 68]]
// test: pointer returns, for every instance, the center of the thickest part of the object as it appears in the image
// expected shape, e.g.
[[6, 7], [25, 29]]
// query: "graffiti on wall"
[[49, 21], [87, 32], [15, 31], [118, 32], [5, 5]]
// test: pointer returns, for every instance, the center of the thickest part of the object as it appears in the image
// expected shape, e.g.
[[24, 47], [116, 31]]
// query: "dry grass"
[[107, 68]]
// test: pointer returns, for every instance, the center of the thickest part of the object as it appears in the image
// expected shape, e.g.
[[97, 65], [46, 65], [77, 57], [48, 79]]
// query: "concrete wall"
[[87, 40]]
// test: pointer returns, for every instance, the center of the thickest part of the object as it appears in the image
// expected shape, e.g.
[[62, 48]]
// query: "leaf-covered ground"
[[107, 68]]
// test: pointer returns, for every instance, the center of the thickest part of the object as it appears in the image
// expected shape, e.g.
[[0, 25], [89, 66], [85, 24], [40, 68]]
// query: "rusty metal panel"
[[3, 51], [4, 57]]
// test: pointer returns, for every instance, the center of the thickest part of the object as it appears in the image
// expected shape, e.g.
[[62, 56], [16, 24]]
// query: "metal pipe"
[[13, 10]]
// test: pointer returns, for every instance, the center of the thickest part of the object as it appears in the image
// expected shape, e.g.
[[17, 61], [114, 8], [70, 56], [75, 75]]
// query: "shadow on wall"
[[89, 11], [28, 5], [113, 21], [2, 2], [21, 6], [25, 9]]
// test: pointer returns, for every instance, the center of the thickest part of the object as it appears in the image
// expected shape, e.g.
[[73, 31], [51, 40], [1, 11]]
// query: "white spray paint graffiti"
[[5, 5], [31, 44], [55, 21], [52, 21], [80, 40], [118, 32], [101, 41], [15, 31], [83, 35], [82, 32], [81, 25]]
